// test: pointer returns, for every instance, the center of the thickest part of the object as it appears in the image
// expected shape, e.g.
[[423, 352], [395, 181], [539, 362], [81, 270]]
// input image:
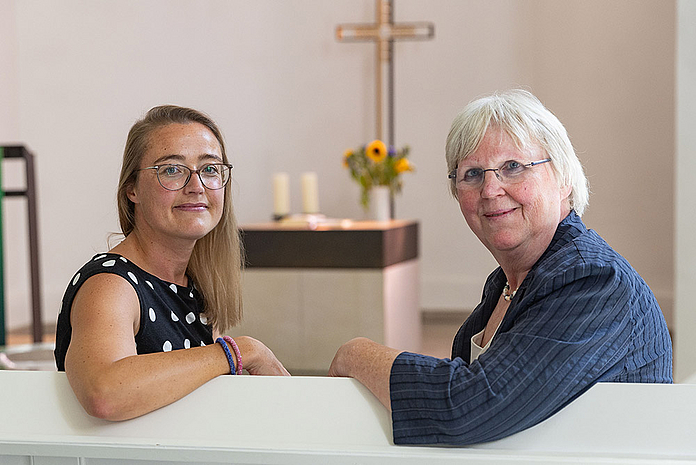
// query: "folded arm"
[[368, 362], [112, 381]]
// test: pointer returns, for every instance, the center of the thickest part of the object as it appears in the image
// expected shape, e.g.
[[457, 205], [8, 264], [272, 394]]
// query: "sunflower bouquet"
[[376, 165]]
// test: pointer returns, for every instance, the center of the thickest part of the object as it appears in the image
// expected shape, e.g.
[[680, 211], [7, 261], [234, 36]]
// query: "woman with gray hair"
[[562, 312]]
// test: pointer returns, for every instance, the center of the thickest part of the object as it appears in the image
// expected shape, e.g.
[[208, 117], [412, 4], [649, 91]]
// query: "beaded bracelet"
[[230, 360], [236, 352]]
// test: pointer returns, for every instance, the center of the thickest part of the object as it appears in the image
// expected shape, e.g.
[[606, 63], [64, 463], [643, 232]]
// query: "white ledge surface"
[[245, 419]]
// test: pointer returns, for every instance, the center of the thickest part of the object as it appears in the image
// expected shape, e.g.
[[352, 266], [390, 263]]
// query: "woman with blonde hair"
[[172, 283]]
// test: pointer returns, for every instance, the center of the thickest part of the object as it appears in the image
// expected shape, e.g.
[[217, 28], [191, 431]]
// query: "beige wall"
[[290, 98], [607, 68]]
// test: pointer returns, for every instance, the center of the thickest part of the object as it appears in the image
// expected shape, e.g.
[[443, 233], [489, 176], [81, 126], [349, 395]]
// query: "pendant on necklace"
[[506, 293]]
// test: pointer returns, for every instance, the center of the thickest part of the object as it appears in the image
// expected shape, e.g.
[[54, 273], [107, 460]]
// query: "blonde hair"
[[525, 119], [216, 262]]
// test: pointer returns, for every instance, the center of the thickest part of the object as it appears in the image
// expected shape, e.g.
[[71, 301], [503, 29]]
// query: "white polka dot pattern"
[[161, 333]]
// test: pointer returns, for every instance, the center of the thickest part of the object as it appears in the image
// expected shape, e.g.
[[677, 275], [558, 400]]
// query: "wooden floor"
[[19, 339], [438, 331], [24, 336]]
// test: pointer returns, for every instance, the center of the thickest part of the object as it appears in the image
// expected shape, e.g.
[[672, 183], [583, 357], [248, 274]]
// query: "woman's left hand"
[[258, 359], [368, 362]]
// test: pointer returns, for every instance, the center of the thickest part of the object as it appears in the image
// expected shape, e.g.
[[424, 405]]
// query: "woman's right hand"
[[258, 359]]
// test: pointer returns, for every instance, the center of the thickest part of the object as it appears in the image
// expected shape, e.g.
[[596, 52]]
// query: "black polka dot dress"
[[170, 315]]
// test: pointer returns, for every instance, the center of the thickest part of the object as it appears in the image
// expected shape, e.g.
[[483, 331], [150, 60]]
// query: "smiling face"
[[189, 213], [512, 218]]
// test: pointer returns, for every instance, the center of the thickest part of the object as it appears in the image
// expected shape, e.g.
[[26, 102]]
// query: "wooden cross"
[[384, 32]]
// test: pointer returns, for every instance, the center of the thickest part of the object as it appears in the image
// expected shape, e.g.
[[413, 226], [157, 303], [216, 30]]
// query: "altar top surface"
[[335, 244], [340, 224]]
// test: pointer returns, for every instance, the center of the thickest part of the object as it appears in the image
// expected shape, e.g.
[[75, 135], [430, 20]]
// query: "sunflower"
[[374, 165], [346, 155], [402, 165], [376, 151]]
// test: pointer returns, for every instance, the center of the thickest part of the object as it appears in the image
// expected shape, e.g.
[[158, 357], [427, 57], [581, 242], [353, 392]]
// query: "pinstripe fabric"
[[582, 315]]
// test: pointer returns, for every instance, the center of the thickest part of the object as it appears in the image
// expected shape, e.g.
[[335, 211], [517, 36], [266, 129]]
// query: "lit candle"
[[281, 194], [310, 194]]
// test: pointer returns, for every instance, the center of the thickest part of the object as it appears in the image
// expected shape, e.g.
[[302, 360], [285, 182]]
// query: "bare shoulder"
[[106, 314], [101, 295]]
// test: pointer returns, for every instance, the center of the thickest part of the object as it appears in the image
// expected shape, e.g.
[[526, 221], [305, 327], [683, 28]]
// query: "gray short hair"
[[525, 119]]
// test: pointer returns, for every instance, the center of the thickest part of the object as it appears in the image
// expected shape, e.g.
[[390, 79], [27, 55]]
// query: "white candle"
[[310, 193], [281, 194]]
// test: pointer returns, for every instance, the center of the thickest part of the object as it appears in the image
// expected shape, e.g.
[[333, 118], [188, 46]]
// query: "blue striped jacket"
[[582, 315]]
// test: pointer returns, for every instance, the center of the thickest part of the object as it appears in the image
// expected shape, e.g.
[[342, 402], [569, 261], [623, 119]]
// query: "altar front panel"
[[304, 315]]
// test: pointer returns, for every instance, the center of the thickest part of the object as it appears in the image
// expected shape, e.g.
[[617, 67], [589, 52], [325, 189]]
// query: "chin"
[[504, 242], [196, 232]]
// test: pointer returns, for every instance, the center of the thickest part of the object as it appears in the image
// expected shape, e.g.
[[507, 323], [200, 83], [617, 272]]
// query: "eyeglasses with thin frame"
[[509, 172], [173, 177]]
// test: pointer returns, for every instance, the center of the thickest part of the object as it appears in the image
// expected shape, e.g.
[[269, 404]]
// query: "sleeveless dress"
[[171, 316]]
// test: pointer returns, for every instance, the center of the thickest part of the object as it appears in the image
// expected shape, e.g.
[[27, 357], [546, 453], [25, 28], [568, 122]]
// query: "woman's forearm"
[[138, 384], [368, 362]]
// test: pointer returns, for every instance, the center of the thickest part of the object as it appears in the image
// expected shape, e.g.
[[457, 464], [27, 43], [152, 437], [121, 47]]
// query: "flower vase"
[[380, 200]]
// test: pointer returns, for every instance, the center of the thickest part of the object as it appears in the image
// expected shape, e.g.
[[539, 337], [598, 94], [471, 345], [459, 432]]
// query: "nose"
[[492, 185], [195, 184]]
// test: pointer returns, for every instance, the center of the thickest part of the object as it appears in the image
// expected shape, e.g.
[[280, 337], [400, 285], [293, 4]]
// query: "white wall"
[[685, 166], [289, 97], [9, 125], [14, 209]]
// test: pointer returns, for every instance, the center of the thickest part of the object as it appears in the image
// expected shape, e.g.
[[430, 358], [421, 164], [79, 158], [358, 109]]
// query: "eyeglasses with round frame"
[[174, 177], [509, 172]]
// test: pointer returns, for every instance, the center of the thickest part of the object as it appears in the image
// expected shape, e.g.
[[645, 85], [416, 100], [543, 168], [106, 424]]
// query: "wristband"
[[236, 352], [230, 360]]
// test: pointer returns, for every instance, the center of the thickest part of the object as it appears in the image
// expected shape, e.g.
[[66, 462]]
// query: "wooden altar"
[[307, 291]]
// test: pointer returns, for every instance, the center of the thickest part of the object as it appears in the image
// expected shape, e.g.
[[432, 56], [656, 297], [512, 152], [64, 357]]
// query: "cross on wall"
[[384, 32]]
